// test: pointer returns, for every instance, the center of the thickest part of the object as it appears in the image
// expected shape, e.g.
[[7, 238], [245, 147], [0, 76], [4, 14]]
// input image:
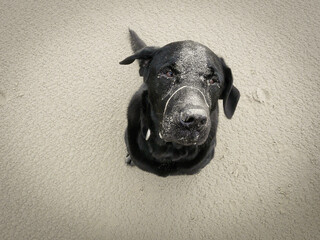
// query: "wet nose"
[[192, 118]]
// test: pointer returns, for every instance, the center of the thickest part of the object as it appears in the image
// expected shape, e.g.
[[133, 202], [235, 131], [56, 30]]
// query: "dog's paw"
[[128, 160]]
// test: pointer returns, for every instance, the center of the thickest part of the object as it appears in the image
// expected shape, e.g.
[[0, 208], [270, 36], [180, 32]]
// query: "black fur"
[[173, 117]]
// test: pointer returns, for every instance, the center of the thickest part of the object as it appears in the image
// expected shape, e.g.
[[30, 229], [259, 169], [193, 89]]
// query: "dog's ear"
[[230, 94], [144, 56]]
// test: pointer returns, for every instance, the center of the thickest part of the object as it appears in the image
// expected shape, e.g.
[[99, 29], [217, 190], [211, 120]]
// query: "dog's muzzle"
[[186, 118]]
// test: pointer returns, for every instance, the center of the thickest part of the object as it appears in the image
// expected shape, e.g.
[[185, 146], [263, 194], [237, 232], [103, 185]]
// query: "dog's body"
[[173, 117]]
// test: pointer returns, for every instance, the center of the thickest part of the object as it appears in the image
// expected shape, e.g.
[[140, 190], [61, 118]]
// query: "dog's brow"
[[170, 64], [211, 67]]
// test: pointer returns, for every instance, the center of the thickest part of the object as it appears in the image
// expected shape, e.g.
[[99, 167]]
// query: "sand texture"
[[63, 102]]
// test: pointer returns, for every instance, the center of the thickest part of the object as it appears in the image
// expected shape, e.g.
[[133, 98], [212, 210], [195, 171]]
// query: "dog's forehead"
[[192, 57], [187, 56]]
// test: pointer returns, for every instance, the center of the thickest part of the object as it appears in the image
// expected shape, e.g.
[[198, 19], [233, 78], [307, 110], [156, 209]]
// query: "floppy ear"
[[144, 55], [230, 94]]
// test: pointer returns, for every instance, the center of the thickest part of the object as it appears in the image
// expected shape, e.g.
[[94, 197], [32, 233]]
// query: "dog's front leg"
[[128, 160]]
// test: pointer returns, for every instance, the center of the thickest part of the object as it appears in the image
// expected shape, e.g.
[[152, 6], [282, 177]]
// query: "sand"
[[63, 101]]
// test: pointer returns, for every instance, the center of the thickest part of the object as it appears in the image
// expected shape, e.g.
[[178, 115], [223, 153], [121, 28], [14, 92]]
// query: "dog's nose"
[[193, 118]]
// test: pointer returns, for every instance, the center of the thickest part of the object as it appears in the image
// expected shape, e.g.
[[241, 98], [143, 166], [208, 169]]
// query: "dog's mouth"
[[184, 137], [189, 138]]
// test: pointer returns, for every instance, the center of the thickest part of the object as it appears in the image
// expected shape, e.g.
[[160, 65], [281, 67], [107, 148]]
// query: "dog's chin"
[[186, 138]]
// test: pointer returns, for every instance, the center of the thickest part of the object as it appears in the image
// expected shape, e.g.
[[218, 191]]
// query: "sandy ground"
[[63, 100]]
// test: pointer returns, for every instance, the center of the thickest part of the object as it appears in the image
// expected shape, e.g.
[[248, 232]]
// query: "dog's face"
[[185, 80]]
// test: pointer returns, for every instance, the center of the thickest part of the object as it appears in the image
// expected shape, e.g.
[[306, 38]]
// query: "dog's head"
[[185, 80]]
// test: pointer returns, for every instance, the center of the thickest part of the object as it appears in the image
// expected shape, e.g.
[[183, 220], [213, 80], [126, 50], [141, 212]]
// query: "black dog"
[[173, 117]]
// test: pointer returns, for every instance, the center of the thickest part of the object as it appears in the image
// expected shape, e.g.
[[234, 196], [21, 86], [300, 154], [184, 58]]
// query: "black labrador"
[[173, 117]]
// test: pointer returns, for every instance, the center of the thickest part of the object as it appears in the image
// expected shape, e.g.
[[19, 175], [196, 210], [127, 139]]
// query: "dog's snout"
[[193, 118]]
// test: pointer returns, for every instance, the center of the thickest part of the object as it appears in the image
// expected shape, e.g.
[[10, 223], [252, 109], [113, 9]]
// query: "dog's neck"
[[150, 141]]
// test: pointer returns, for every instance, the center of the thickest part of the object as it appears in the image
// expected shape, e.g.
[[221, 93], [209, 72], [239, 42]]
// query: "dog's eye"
[[212, 81], [212, 78], [169, 74]]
